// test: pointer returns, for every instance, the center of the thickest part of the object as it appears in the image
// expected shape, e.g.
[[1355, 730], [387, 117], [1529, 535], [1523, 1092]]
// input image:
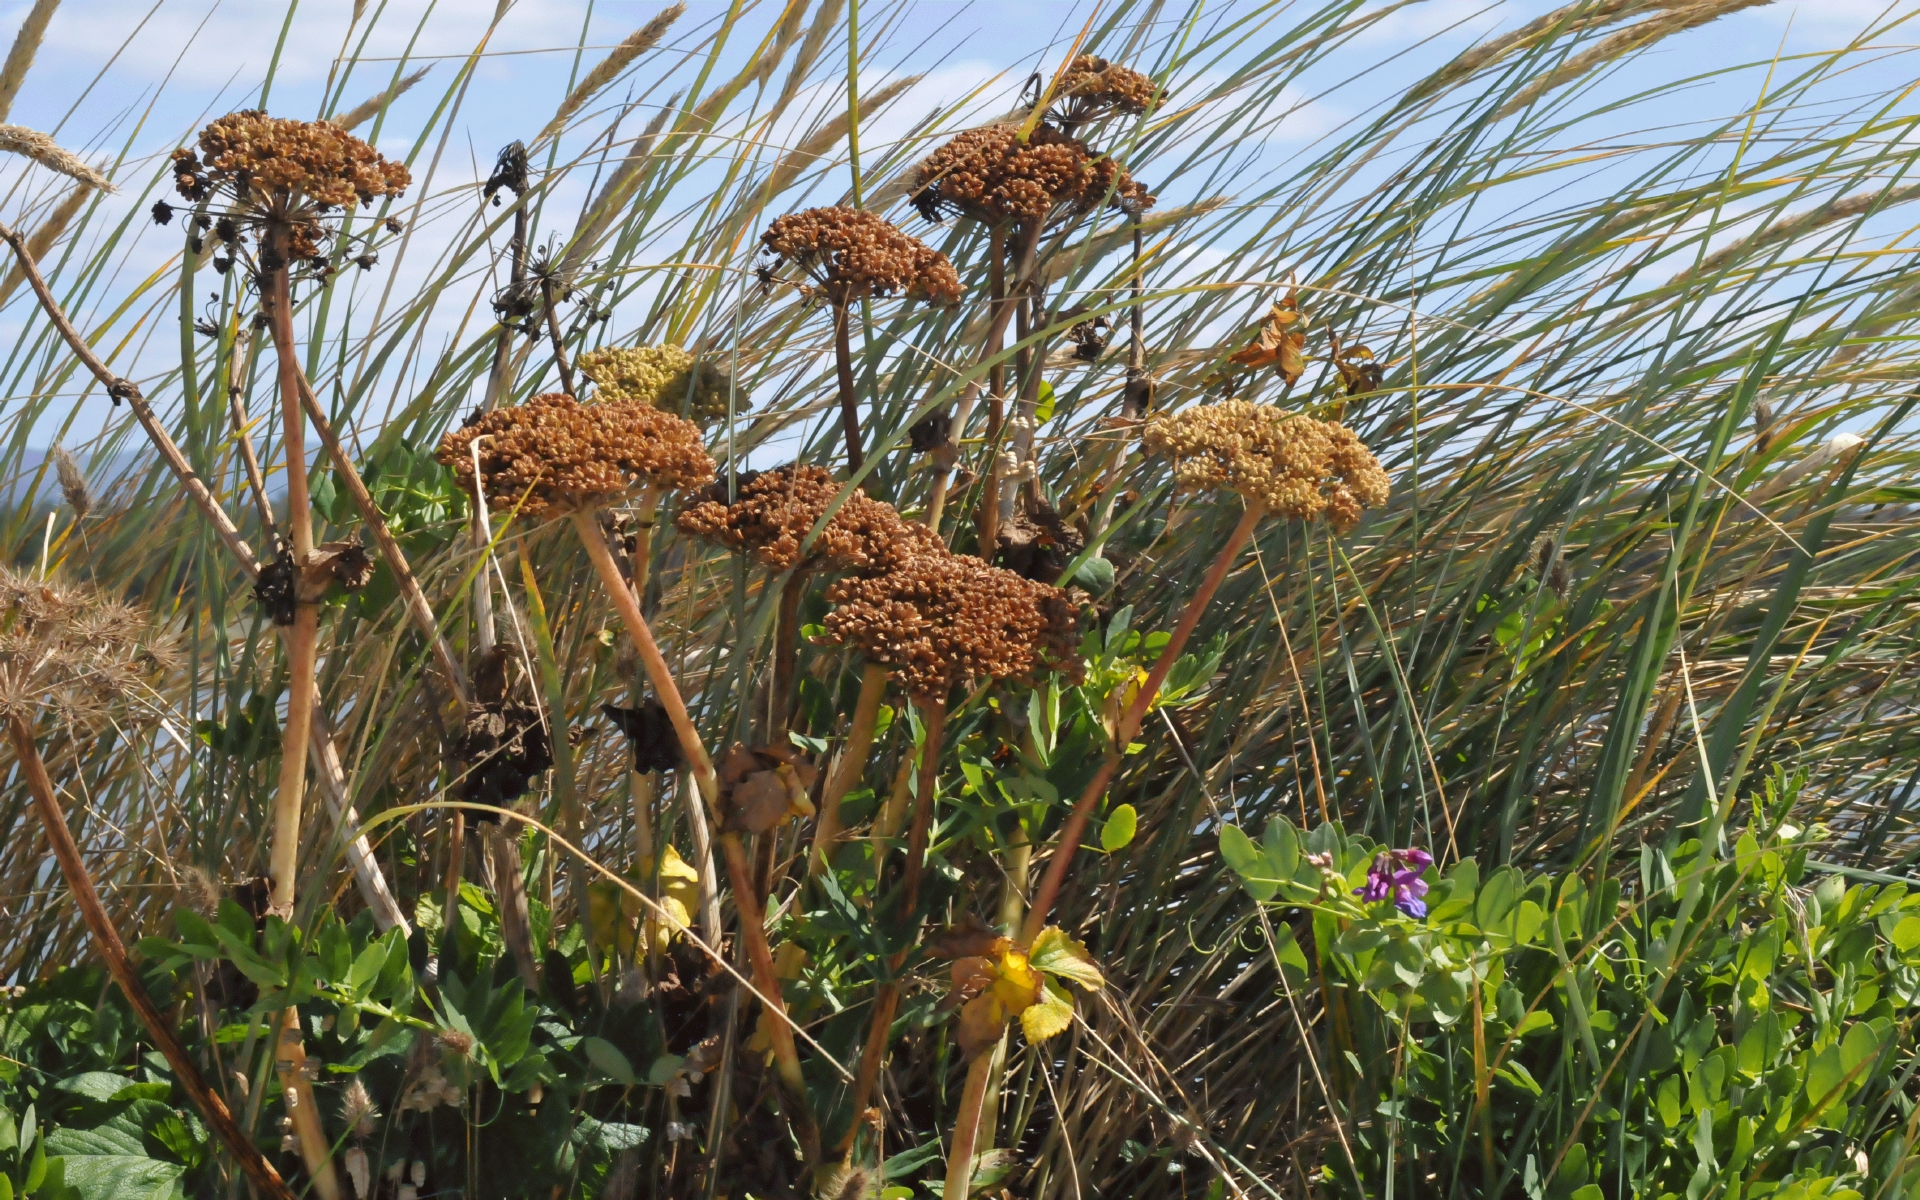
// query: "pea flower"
[[1395, 875]]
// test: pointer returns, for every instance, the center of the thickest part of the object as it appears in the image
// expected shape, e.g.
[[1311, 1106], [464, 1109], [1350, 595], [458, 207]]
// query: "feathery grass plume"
[[364, 111], [784, 35], [18, 139], [618, 189], [1797, 225], [73, 484], [1617, 45], [608, 69], [26, 44], [809, 152], [824, 23], [1561, 22], [42, 239]]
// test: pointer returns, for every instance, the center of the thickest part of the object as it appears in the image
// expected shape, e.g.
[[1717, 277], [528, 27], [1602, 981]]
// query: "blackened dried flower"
[[649, 730], [162, 212]]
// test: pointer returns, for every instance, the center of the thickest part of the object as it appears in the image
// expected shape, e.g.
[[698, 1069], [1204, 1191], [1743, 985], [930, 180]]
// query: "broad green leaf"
[[1118, 832], [121, 1177], [1282, 846], [611, 1062], [1059, 955], [1248, 863], [1497, 897]]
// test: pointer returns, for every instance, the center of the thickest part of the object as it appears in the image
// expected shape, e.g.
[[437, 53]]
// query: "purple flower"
[[1395, 875]]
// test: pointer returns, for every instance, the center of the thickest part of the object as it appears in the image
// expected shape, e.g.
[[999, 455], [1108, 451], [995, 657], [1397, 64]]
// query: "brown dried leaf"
[[1283, 341]]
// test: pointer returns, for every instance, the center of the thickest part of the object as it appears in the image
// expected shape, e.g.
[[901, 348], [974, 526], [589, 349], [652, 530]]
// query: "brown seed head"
[[666, 377], [989, 174], [1295, 465], [1092, 88], [774, 511], [262, 160], [940, 620], [851, 254], [574, 456], [71, 649]]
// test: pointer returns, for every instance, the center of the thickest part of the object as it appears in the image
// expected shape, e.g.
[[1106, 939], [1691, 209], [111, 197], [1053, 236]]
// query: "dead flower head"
[[667, 377], [564, 456], [993, 176], [277, 177], [70, 649], [1295, 465], [1093, 89], [851, 254], [941, 620], [774, 511]]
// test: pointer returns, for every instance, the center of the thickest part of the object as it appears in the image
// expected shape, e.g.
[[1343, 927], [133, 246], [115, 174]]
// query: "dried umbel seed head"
[[503, 750], [263, 161], [1294, 465], [774, 511], [277, 177], [1091, 88], [851, 254], [992, 175], [667, 377], [563, 455], [940, 620], [69, 649]]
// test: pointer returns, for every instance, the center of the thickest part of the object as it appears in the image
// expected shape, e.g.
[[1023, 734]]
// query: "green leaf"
[[1050, 1014], [1497, 897], [1118, 832], [121, 1177], [1248, 863], [1059, 955], [1906, 935], [611, 1062], [663, 1069], [1043, 404]]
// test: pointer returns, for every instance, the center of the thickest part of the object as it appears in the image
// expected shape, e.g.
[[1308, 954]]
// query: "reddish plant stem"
[[996, 330], [1129, 724], [106, 940], [850, 766], [843, 369], [966, 1128], [786, 654]]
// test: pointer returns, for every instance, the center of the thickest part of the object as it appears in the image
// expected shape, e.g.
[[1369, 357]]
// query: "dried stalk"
[[106, 940], [1129, 724], [739, 870], [410, 592], [981, 1073], [510, 885], [296, 1092], [843, 370], [996, 330], [850, 766], [366, 870]]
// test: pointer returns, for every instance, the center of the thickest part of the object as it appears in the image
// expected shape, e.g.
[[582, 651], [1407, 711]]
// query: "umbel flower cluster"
[[994, 176], [273, 171], [70, 650], [1295, 465], [667, 377], [774, 511], [562, 455], [940, 620], [851, 254], [1091, 89]]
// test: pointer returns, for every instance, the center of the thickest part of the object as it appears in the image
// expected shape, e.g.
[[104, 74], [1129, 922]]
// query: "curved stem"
[[850, 766], [106, 940], [1129, 724]]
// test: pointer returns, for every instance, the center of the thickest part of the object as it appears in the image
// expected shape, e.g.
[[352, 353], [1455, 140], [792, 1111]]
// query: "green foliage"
[[1719, 1024]]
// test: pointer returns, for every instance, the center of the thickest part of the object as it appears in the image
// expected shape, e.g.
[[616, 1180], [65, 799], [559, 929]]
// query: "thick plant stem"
[[560, 362], [843, 370], [295, 737], [981, 1076], [786, 654], [1129, 724], [296, 1092], [106, 940], [510, 886], [996, 392], [739, 870], [887, 1001], [850, 766]]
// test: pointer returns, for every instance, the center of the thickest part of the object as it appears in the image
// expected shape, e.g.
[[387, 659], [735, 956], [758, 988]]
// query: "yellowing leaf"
[[1017, 985], [982, 1021], [1049, 1015], [1283, 341], [1059, 955], [1118, 832]]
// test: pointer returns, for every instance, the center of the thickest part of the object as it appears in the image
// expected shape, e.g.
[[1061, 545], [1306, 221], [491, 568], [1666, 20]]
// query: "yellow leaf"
[[1017, 985], [1057, 954], [1051, 1014], [982, 1021]]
